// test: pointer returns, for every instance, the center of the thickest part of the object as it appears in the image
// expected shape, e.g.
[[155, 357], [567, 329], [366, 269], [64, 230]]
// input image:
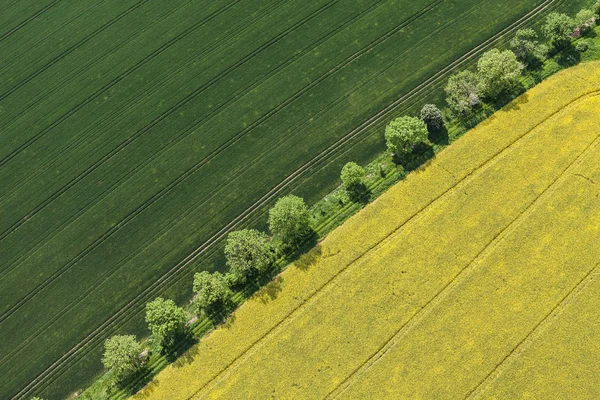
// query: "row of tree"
[[250, 253]]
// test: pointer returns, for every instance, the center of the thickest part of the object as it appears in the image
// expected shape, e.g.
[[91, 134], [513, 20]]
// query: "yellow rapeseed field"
[[445, 285]]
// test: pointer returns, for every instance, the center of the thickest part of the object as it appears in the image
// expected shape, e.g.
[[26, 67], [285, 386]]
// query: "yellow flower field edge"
[[261, 318]]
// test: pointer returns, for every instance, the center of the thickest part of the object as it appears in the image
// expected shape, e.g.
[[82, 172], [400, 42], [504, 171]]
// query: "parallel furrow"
[[28, 20], [427, 308], [156, 286]]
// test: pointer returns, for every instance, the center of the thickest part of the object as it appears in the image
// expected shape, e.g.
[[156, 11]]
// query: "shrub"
[[289, 220], [404, 133], [585, 19], [581, 46], [498, 72], [461, 92], [432, 116], [211, 290], [122, 356], [248, 252]]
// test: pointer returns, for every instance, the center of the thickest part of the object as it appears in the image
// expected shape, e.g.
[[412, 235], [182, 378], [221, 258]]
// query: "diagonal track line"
[[463, 181], [23, 23], [534, 333]]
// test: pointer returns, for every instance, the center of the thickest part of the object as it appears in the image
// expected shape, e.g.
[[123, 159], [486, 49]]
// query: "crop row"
[[233, 200]]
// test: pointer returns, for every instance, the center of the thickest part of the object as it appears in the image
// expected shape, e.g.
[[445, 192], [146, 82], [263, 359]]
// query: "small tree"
[[165, 320], [432, 116], [353, 178], [461, 92], [352, 174], [498, 71], [212, 291], [289, 220], [558, 28], [248, 252], [527, 48], [404, 133], [584, 20], [122, 356]]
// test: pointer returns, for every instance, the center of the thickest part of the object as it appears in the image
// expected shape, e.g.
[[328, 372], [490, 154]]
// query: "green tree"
[[558, 28], [212, 291], [498, 71], [166, 321], [461, 92], [289, 220], [585, 19], [248, 252], [352, 175], [526, 46], [122, 356], [404, 133], [432, 116]]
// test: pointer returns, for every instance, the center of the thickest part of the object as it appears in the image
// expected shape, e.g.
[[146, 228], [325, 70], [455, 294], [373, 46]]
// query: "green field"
[[135, 134]]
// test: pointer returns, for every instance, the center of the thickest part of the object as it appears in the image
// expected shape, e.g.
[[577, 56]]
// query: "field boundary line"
[[412, 219], [292, 177], [535, 333], [23, 23], [94, 244], [197, 92], [455, 281], [165, 190]]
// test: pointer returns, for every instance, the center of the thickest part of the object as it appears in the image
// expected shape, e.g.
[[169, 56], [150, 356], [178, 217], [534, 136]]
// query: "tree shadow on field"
[[439, 136], [516, 103], [568, 56], [359, 193], [421, 155], [309, 259], [270, 291], [187, 355]]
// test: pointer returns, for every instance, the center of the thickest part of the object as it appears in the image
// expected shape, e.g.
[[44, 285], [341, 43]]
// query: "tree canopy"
[[403, 133], [498, 71], [166, 320], [585, 19], [211, 291], [526, 47], [289, 220], [122, 356], [461, 92], [248, 252], [558, 28]]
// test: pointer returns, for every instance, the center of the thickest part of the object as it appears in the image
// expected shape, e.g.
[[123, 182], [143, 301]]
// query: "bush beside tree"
[[353, 178], [432, 116]]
